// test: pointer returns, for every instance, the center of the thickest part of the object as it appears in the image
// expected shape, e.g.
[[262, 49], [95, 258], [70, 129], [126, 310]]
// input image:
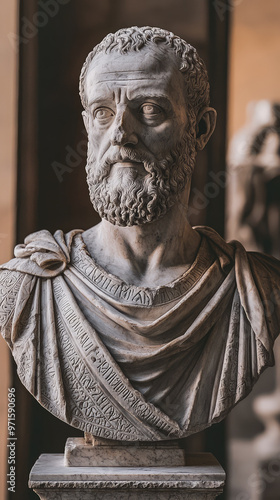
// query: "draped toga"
[[133, 363]]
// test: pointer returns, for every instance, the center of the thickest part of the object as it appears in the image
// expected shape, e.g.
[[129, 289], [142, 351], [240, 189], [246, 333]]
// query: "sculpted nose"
[[123, 133]]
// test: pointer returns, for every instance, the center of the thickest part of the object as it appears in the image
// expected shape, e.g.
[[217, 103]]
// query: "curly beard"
[[130, 199]]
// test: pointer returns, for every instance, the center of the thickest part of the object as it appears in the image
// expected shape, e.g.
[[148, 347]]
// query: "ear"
[[206, 123], [85, 116]]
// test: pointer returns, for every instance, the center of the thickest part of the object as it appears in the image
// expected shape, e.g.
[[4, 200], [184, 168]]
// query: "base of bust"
[[107, 453], [200, 478]]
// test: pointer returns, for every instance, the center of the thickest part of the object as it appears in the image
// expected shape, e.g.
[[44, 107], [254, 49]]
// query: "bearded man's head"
[[130, 196]]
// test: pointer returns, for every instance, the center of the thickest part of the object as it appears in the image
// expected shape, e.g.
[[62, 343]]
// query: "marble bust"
[[141, 328]]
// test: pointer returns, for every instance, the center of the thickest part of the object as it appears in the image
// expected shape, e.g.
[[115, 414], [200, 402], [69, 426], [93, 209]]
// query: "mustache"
[[127, 154], [102, 170]]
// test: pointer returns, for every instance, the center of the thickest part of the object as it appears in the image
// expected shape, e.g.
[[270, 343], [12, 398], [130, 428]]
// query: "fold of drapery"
[[43, 254]]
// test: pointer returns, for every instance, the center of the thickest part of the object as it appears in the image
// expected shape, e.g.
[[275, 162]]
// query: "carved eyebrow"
[[100, 100], [151, 95], [158, 98]]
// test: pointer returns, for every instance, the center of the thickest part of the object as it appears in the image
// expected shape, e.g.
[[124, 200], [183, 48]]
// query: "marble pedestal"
[[201, 478]]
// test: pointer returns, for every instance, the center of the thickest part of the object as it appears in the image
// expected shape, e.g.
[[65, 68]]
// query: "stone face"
[[203, 480], [141, 328]]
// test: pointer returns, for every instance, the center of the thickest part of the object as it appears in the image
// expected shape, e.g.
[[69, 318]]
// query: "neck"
[[150, 254]]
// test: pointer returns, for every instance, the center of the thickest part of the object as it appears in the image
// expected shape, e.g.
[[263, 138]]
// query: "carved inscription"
[[94, 379], [10, 283], [119, 290]]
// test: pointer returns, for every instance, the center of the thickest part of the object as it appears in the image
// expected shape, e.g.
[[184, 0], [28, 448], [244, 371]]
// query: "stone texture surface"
[[141, 328], [204, 479], [77, 453], [83, 494]]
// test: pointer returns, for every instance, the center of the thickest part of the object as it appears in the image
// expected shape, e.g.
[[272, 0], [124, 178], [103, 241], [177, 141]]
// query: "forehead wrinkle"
[[142, 87], [123, 80], [121, 71], [125, 75], [152, 60], [135, 83], [125, 72]]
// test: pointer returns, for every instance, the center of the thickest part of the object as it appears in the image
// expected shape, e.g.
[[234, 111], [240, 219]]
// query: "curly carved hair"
[[189, 62]]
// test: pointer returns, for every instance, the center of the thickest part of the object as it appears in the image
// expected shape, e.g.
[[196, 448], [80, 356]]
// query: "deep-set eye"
[[103, 114], [150, 110]]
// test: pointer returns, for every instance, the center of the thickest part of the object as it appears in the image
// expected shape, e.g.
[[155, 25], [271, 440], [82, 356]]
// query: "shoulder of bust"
[[43, 254]]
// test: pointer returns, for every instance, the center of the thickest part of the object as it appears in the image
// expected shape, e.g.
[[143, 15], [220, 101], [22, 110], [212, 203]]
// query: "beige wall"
[[8, 116], [254, 57]]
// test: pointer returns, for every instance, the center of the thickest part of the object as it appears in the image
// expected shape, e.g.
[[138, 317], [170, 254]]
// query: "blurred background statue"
[[253, 215], [253, 218]]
